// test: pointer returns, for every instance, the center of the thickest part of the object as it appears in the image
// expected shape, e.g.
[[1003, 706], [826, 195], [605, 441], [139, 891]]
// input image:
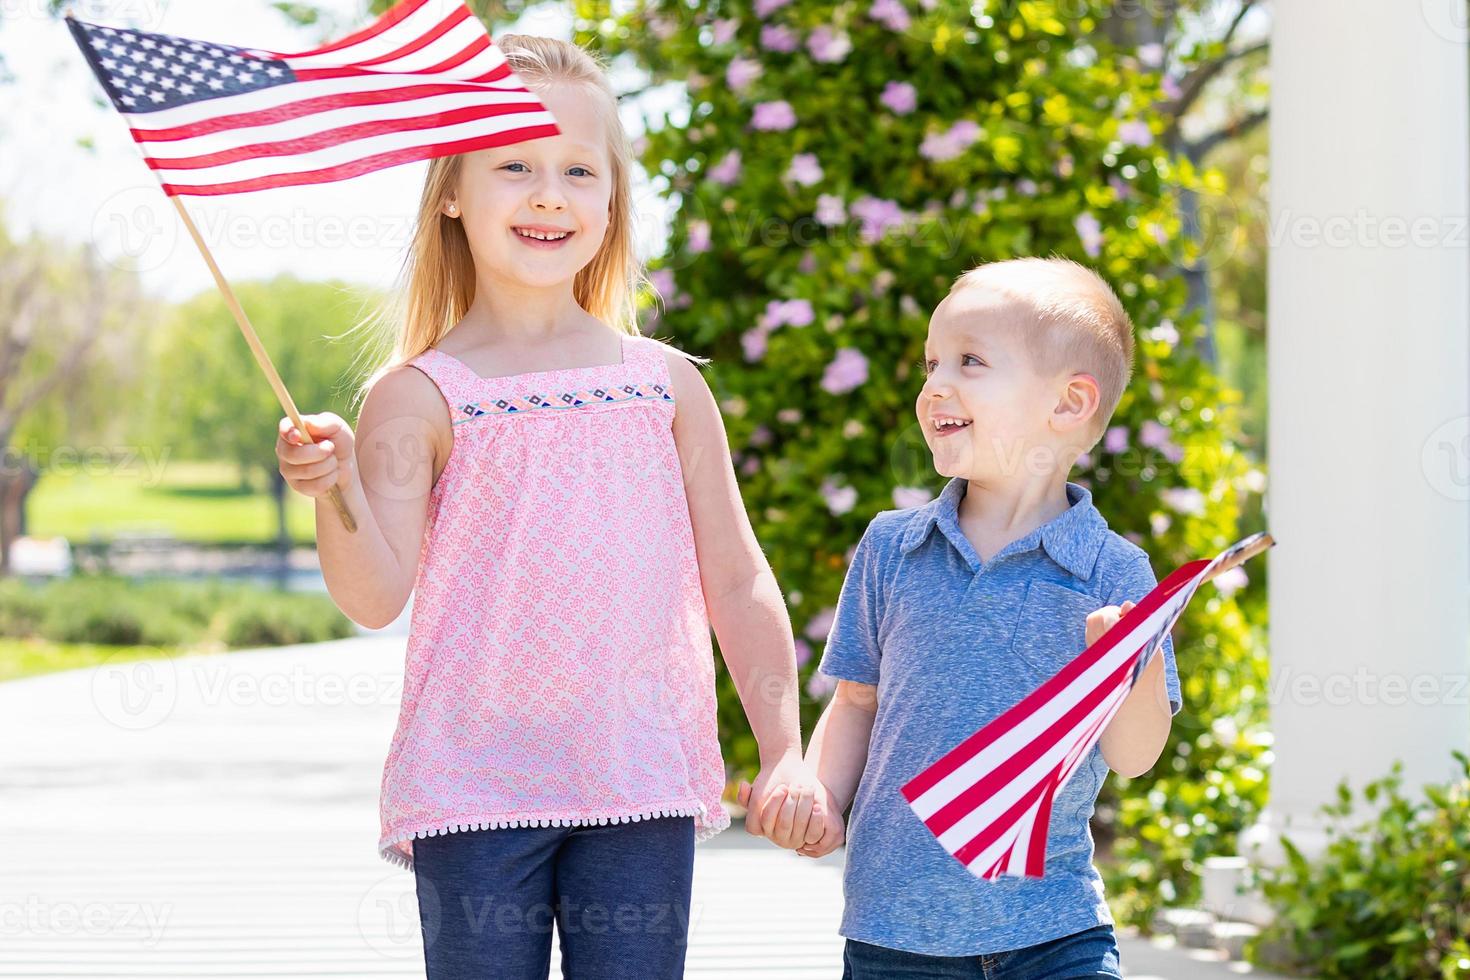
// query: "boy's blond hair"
[[1078, 324]]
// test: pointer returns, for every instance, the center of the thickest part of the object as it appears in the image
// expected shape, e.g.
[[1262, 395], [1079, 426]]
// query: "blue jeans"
[[618, 893], [1090, 953]]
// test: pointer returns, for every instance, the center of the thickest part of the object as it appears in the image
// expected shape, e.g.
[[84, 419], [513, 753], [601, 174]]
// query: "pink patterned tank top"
[[559, 668]]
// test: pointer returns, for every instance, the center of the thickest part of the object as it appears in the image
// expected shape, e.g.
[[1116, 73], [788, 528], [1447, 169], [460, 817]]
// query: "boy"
[[953, 611]]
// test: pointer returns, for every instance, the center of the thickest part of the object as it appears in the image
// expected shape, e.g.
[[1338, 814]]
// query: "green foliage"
[[218, 404], [280, 619], [1388, 898], [805, 260], [116, 611]]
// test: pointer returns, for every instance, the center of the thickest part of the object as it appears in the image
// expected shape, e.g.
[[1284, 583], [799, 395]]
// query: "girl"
[[556, 490]]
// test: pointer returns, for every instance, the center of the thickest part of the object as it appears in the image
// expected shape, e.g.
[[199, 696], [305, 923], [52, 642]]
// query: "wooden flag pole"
[[1260, 543], [261, 357]]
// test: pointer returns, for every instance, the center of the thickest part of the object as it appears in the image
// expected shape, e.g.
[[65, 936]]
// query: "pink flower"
[[1090, 231], [1185, 500], [1152, 434], [840, 499], [820, 686], [741, 72], [905, 497], [899, 97], [1230, 580], [828, 46], [753, 342], [803, 652], [724, 30], [804, 170], [727, 171], [890, 13], [663, 282], [698, 237], [1170, 87], [792, 312], [830, 210], [1115, 440], [950, 143], [820, 625], [1135, 132], [779, 37], [847, 370], [764, 8], [773, 116], [877, 215], [1151, 55]]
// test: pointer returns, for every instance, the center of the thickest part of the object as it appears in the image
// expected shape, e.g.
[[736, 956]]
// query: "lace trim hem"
[[388, 849]]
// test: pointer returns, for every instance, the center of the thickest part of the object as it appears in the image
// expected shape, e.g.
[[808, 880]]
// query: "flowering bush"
[[835, 167]]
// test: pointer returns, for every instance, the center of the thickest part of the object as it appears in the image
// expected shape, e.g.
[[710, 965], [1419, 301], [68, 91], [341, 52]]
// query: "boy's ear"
[[1078, 403]]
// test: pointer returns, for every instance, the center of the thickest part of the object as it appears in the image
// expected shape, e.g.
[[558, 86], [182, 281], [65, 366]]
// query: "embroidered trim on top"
[[568, 399]]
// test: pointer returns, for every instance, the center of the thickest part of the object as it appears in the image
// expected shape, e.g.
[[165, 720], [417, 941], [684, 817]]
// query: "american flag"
[[422, 81], [989, 799]]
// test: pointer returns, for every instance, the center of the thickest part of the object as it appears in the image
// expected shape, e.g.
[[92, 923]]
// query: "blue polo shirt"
[[951, 643]]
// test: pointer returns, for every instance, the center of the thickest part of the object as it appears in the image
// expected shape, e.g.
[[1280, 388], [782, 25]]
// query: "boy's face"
[[978, 373]]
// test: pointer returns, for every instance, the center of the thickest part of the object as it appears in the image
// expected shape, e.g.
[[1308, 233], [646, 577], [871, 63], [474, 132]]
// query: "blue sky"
[[353, 230]]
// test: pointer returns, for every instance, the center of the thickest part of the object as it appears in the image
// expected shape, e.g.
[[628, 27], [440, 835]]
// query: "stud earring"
[[453, 208]]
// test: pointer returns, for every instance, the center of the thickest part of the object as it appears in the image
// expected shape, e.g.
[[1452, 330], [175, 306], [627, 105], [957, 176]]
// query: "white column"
[[1370, 409]]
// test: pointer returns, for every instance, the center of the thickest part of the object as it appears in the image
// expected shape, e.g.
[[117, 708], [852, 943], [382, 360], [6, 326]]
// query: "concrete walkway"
[[216, 816]]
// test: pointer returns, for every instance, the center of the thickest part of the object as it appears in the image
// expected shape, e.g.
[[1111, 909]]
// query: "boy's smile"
[[982, 406]]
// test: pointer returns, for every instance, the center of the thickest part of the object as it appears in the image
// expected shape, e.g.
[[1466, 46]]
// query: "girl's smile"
[[542, 237]]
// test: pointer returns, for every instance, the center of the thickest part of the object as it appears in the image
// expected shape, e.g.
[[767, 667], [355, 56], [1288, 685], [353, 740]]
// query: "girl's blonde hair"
[[437, 282]]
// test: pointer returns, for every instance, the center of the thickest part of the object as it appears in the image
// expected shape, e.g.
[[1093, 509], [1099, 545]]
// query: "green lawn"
[[30, 657], [189, 500]]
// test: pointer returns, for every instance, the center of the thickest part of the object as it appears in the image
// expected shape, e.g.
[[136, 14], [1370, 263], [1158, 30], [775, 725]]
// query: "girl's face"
[[536, 212]]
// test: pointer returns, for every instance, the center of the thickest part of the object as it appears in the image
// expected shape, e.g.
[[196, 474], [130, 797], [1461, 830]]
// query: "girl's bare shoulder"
[[404, 401]]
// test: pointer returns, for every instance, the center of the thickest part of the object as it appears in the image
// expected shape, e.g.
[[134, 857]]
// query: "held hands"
[[1102, 620], [792, 809], [314, 468]]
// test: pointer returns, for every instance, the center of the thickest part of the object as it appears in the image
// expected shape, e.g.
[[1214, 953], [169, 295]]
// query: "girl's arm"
[[385, 472], [746, 607]]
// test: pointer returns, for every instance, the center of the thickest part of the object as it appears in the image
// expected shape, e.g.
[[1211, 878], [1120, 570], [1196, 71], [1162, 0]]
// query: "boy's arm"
[[837, 753], [1135, 738], [839, 745]]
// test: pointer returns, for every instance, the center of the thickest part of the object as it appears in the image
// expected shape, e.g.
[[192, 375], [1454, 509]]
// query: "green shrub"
[[832, 170], [110, 611], [279, 618], [1388, 898], [21, 608], [117, 611]]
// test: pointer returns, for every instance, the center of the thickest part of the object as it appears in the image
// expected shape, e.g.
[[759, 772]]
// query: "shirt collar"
[[1073, 538]]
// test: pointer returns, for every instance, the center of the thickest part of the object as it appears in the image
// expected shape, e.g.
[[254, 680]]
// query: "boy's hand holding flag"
[[988, 800]]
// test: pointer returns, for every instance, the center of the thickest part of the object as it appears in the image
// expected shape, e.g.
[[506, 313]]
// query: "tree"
[[67, 325], [211, 399]]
